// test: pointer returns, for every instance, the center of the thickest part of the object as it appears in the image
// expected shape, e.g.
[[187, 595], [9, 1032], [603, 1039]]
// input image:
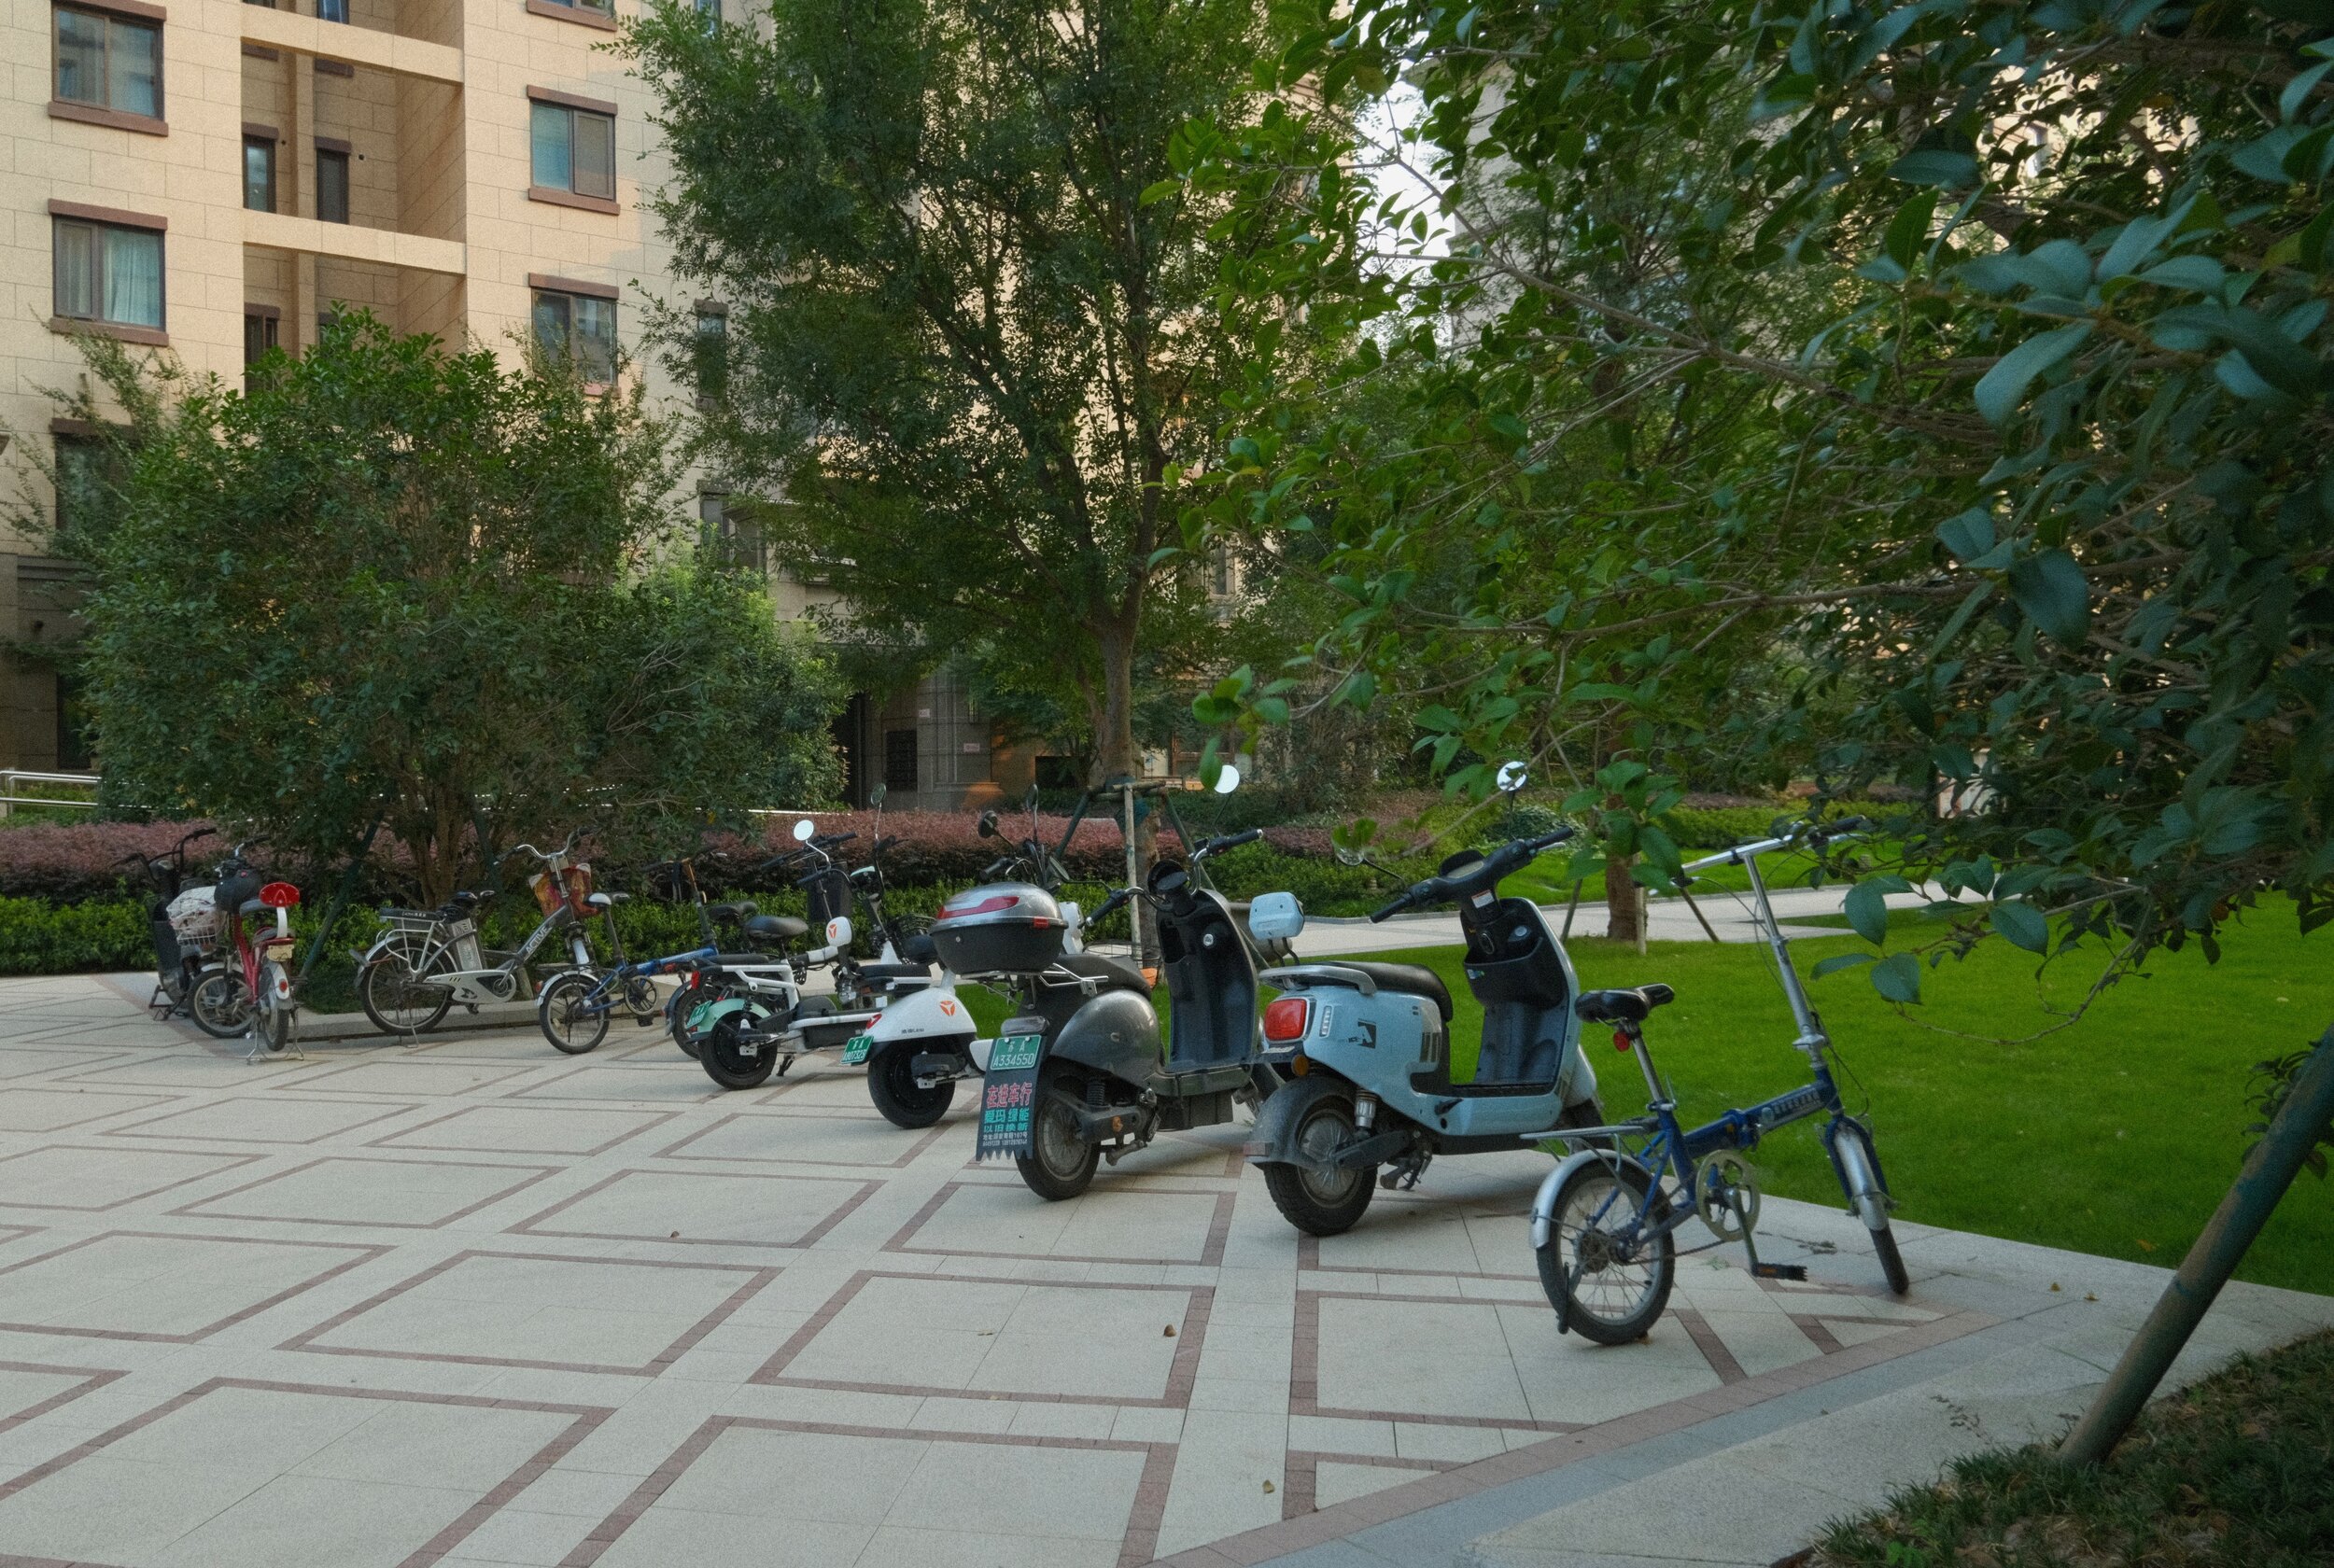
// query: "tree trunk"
[[1625, 903]]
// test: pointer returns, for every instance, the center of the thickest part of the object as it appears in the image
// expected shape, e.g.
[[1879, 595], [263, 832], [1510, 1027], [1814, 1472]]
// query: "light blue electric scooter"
[[1369, 1080]]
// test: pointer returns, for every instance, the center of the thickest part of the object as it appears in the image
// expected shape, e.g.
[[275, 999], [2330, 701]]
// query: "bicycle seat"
[[774, 928], [734, 911], [1623, 1007], [1410, 979], [605, 901], [465, 897]]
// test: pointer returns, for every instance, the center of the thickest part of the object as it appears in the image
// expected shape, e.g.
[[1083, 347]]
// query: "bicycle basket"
[[579, 879], [194, 917], [546, 894]]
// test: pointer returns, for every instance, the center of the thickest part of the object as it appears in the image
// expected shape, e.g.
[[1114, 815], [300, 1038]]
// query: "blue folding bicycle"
[[1605, 1222]]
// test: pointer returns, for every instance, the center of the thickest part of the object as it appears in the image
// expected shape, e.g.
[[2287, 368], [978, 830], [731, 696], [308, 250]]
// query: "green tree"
[[969, 335], [395, 582]]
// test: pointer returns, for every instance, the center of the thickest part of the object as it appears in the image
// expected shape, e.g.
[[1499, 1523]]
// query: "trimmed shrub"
[[37, 937]]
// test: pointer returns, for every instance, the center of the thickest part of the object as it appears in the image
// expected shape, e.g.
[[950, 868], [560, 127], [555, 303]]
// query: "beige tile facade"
[[431, 101]]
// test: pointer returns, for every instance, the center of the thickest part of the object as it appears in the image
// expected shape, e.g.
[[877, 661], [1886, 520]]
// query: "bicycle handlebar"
[[1818, 833]]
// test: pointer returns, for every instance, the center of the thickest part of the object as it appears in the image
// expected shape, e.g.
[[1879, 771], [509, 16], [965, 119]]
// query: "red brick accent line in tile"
[[306, 1340], [547, 1089], [907, 1156], [1309, 1262], [1211, 1249], [201, 1207], [586, 1417], [1304, 1368], [227, 1163], [1344, 1519], [363, 1254], [397, 1139], [92, 1379], [372, 1058], [1142, 1522], [1182, 1372], [1812, 1326], [533, 1225], [130, 1130], [1713, 1348], [1302, 1475]]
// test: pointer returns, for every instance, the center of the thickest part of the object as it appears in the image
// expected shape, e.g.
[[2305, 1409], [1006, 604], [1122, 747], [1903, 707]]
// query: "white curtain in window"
[[134, 66], [77, 269], [133, 277]]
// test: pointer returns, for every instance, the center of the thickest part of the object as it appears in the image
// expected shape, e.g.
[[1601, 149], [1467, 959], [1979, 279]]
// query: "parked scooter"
[[1372, 1070], [1080, 1075], [185, 925]]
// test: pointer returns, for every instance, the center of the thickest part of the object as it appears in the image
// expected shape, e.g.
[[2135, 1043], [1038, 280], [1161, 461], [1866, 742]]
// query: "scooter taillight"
[[1285, 1020]]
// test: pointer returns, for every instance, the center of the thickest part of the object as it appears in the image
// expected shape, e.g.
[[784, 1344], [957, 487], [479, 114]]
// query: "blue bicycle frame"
[[602, 995]]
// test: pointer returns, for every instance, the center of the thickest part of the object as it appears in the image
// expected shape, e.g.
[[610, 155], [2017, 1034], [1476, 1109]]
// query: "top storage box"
[[1004, 927]]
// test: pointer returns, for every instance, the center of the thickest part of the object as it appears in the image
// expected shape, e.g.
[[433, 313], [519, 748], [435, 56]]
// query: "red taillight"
[[986, 906], [279, 895], [1285, 1020], [1620, 1040]]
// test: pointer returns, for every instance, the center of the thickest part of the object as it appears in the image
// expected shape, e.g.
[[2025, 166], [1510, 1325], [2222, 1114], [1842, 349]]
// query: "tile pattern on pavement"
[[478, 1303]]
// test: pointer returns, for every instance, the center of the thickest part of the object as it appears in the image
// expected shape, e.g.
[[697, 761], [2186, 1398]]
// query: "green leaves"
[[1897, 977], [2022, 925], [2003, 388], [2049, 588]]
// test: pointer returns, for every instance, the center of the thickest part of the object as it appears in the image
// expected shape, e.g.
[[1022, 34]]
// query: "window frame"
[[570, 291], [331, 148], [542, 101], [101, 220], [710, 362], [263, 139], [589, 13], [113, 13]]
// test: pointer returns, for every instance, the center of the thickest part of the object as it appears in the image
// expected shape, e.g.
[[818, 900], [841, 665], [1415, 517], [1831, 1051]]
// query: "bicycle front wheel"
[[1602, 1274], [397, 996], [571, 1017]]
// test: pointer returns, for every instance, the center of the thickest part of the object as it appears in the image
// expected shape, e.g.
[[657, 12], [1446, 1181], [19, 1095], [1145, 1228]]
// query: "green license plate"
[[1016, 1053], [855, 1049]]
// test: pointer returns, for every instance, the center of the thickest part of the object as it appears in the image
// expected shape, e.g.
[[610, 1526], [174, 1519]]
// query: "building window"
[[712, 353], [89, 483], [331, 10], [109, 272], [260, 332], [332, 184], [577, 328], [730, 532], [575, 150], [258, 173], [109, 62], [899, 760], [597, 7], [711, 10]]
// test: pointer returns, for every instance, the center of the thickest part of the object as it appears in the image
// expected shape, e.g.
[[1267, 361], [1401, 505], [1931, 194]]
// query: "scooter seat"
[[880, 971], [774, 928], [1623, 1007], [731, 911], [920, 949], [1115, 974], [250, 907], [1410, 979]]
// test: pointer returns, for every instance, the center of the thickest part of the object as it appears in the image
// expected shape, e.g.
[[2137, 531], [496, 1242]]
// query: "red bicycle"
[[254, 994]]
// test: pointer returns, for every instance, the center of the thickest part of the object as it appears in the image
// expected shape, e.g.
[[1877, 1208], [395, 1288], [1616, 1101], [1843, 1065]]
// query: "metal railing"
[[12, 781]]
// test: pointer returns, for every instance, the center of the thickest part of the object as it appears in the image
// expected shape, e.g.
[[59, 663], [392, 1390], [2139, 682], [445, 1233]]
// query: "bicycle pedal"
[[1794, 1272]]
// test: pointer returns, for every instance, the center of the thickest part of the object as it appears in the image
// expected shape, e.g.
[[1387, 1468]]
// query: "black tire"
[[273, 1024], [220, 1005], [892, 1085], [686, 1001], [561, 1014], [1060, 1164], [723, 1055], [1598, 1314], [396, 1000], [1322, 1202], [1891, 1261]]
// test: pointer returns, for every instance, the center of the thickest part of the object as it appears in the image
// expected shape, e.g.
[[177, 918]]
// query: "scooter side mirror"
[[1226, 779], [1276, 917], [987, 826], [875, 796], [803, 830], [1513, 778]]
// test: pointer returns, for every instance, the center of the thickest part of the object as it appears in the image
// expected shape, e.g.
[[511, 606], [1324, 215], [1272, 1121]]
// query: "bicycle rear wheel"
[[570, 1018], [397, 996], [1601, 1275]]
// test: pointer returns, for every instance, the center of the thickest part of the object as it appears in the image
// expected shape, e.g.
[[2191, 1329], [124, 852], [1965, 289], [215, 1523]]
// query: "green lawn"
[[2116, 1136]]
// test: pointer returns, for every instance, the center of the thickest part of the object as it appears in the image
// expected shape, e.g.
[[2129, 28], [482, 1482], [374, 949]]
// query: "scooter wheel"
[[892, 1085], [1316, 1201], [1060, 1164], [725, 1056]]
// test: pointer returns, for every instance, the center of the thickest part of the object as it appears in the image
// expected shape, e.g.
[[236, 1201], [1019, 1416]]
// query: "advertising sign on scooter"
[[1009, 1094]]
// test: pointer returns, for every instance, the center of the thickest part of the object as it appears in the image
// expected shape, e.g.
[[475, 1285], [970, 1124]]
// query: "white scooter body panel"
[[930, 1012]]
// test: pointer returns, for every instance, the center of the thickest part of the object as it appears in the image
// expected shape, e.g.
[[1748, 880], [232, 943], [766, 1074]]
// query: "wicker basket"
[[578, 879]]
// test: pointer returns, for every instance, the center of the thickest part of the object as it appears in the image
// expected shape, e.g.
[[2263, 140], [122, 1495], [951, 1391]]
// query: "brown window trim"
[[119, 120], [559, 198], [711, 307], [333, 144], [135, 9], [334, 67], [82, 430], [260, 52], [552, 96], [268, 132], [554, 283], [108, 214], [74, 326], [551, 9]]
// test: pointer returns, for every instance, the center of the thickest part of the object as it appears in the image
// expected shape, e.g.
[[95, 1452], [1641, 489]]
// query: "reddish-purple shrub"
[[75, 860]]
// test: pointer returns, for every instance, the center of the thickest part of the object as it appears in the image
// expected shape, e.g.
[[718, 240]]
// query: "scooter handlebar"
[[1227, 841], [1111, 905], [1507, 858]]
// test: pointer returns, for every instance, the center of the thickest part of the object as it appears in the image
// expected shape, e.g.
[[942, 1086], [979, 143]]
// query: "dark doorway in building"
[[899, 760], [75, 733]]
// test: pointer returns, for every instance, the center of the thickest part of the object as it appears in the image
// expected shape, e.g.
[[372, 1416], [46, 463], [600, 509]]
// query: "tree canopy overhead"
[[395, 582], [1969, 355], [970, 346]]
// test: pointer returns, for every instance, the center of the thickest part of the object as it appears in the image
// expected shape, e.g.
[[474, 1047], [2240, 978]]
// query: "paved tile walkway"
[[479, 1303]]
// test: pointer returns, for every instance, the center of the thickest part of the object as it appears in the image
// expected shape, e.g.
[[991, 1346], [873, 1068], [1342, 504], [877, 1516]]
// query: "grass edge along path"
[[2116, 1136], [2235, 1471]]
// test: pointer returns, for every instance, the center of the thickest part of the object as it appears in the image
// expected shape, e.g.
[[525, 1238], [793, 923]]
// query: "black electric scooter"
[[180, 963]]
